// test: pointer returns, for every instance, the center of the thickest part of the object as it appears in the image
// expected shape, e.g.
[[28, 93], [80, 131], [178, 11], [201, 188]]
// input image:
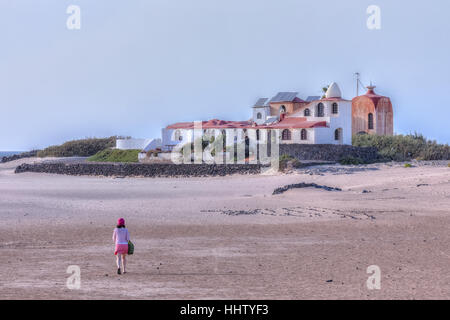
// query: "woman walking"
[[121, 236]]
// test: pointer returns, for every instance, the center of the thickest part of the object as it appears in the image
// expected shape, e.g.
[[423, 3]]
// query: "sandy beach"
[[229, 237]]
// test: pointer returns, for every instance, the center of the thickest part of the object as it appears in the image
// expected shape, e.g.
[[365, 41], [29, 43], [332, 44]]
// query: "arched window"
[[178, 136], [370, 121], [286, 134], [258, 115], [337, 134], [303, 134], [307, 112], [320, 110], [335, 108], [282, 109]]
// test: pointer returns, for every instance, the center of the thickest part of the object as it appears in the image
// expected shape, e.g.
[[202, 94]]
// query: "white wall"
[[153, 144], [265, 112], [343, 120], [296, 137], [128, 144], [168, 137]]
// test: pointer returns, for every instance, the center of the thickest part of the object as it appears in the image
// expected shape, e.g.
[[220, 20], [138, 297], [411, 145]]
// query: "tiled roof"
[[372, 95], [286, 123], [262, 102], [284, 97]]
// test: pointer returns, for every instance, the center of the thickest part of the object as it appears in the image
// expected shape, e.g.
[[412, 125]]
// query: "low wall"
[[328, 152], [140, 169]]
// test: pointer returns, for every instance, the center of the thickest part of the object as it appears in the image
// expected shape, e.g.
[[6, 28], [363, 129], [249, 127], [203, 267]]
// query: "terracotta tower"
[[372, 114]]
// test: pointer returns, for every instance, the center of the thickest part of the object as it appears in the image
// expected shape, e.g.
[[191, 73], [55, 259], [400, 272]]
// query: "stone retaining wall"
[[140, 169], [328, 152]]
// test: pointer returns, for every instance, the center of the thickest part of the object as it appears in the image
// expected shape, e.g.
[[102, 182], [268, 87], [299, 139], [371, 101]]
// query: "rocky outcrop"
[[19, 156], [140, 169], [303, 185]]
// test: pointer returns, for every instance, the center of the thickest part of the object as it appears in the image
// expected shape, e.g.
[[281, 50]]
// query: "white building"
[[315, 120]]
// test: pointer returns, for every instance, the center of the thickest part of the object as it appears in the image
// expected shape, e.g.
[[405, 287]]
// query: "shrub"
[[286, 161], [408, 165], [351, 161], [80, 148], [404, 147], [115, 155]]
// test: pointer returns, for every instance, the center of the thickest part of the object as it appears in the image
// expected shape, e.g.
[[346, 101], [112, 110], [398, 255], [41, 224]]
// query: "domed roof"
[[372, 95], [333, 91]]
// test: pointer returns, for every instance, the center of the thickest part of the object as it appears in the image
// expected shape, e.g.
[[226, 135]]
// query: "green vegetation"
[[448, 165], [115, 155], [324, 90], [351, 161], [404, 147], [79, 148], [286, 161], [408, 165]]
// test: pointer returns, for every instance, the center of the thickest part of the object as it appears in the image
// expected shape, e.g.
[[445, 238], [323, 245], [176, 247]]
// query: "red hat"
[[121, 222]]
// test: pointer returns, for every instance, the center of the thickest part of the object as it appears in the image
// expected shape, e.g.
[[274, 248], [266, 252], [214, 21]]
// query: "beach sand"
[[229, 237]]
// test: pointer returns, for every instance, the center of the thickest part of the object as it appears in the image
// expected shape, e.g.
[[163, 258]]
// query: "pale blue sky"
[[136, 66]]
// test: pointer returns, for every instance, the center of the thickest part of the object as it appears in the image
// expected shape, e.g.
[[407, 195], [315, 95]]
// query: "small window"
[[337, 134], [320, 110], [286, 134], [258, 115], [282, 109], [178, 135], [307, 112], [303, 134], [257, 134], [370, 121], [335, 108]]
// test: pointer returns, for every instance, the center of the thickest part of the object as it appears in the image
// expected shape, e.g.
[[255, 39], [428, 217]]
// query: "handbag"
[[130, 247]]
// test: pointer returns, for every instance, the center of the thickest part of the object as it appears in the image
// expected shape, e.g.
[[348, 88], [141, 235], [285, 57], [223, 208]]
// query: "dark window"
[[335, 108], [259, 116], [337, 134], [286, 134], [370, 121], [178, 135], [307, 112], [320, 110], [257, 134], [282, 109], [303, 134]]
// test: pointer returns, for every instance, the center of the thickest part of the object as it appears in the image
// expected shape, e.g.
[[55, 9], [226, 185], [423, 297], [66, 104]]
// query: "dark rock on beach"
[[303, 185]]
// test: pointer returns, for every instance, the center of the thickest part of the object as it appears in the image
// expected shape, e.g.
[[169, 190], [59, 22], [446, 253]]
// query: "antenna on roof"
[[358, 82]]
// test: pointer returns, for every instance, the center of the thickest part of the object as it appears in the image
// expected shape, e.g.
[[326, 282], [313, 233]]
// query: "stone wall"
[[140, 169], [328, 152]]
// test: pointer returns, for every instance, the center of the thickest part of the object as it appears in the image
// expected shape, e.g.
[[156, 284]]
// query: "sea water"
[[8, 153]]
